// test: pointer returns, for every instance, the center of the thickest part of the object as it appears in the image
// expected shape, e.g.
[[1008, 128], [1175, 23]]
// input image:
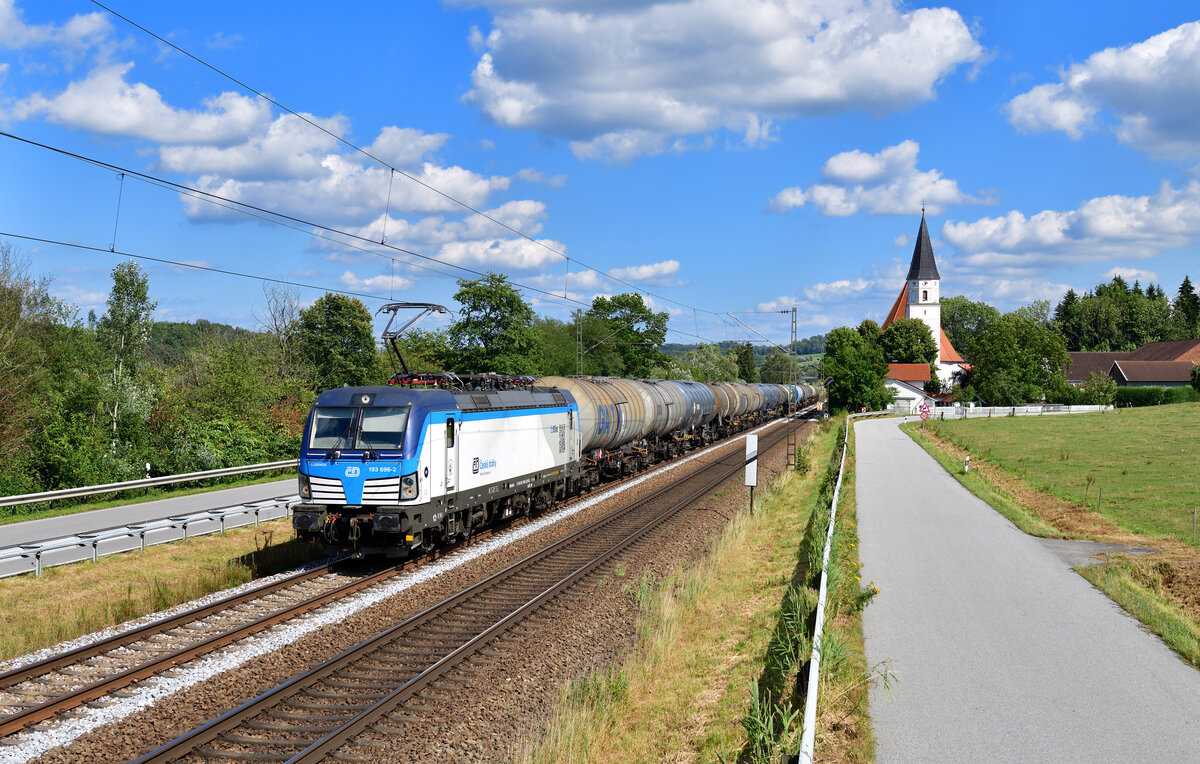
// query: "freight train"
[[404, 469]]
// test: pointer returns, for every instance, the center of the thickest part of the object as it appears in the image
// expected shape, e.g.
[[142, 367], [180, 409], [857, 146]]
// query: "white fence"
[[989, 412]]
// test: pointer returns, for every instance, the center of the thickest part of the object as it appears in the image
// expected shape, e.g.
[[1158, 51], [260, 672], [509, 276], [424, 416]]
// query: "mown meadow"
[[1142, 459]]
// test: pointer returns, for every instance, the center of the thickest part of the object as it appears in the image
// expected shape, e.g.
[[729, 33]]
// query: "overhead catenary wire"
[[194, 266], [368, 154], [291, 222]]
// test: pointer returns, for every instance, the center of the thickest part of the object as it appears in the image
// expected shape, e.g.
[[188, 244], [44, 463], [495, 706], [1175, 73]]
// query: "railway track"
[[38, 691], [360, 696]]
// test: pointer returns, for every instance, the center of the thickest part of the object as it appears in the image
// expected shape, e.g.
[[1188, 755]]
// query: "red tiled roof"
[[1176, 350], [1084, 363], [909, 372], [948, 353], [1152, 371]]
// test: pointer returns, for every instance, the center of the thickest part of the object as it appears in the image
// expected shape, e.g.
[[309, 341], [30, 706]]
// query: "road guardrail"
[[71, 493], [32, 557]]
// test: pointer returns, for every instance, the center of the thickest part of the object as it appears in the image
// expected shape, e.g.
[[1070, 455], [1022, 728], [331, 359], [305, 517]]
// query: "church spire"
[[923, 267]]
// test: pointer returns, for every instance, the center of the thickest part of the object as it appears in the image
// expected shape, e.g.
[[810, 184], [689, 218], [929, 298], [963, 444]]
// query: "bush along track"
[[709, 678], [1162, 589]]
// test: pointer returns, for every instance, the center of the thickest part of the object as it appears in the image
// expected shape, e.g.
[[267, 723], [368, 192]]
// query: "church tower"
[[920, 298], [924, 299]]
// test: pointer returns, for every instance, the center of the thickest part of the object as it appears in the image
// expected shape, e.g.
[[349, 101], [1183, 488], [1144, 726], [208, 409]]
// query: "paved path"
[[99, 519], [1001, 652]]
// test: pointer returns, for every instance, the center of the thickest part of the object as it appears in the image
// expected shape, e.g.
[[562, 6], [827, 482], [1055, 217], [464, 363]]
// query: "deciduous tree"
[[907, 340], [337, 340], [635, 331], [963, 320], [495, 328], [1015, 361], [779, 368], [856, 371]]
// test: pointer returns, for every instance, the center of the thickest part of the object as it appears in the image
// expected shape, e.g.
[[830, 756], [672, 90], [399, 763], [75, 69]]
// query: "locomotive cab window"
[[450, 433], [382, 428], [332, 426]]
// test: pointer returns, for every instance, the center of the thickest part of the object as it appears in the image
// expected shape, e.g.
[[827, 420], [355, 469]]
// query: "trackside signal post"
[[752, 466]]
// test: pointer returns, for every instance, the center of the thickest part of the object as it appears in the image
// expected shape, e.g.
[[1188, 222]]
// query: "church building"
[[920, 298]]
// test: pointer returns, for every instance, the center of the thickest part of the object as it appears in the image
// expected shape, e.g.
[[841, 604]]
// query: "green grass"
[[696, 678], [1144, 459], [1020, 516], [19, 514], [1124, 580]]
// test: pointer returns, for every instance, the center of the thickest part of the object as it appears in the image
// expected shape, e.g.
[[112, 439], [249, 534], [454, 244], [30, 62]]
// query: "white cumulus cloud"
[[1100, 229], [384, 284], [886, 183], [1151, 89], [662, 272], [104, 102], [1131, 274], [80, 31], [622, 80]]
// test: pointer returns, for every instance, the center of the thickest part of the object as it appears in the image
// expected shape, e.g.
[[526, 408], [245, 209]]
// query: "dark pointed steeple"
[[923, 267]]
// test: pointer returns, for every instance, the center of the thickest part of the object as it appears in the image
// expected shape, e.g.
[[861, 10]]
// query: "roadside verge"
[[716, 672]]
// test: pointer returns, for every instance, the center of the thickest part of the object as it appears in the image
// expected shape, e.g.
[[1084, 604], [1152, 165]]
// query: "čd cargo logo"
[[352, 472]]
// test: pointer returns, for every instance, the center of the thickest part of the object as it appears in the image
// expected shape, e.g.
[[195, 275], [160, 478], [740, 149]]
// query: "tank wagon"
[[402, 469]]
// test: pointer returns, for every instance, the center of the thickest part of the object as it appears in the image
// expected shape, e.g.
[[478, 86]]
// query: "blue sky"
[[737, 156]]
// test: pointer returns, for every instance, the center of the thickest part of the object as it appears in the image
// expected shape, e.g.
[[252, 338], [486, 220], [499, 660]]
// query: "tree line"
[[1017, 357], [95, 399]]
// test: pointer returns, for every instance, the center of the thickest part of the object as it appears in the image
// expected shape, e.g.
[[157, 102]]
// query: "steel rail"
[[355, 726], [36, 713], [214, 729]]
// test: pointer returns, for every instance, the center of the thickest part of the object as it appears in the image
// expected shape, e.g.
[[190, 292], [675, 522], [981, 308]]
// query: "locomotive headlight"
[[408, 486], [305, 487]]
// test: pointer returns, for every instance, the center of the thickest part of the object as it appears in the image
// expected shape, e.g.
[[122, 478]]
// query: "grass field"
[[1144, 460]]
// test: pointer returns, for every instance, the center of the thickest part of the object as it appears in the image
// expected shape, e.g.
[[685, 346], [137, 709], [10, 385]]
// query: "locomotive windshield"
[[383, 428], [341, 427]]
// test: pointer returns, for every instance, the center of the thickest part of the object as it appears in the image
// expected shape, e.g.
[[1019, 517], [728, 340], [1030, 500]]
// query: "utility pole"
[[579, 343], [792, 443]]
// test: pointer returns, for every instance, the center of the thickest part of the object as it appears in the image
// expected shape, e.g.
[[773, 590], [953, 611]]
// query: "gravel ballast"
[[599, 626]]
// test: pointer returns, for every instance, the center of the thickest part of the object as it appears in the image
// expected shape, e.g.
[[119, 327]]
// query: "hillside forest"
[[93, 399]]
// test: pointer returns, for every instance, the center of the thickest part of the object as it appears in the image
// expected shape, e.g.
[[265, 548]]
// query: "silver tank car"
[[608, 417]]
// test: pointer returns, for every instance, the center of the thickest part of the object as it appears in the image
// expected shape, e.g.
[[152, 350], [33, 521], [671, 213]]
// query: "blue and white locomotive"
[[392, 470], [427, 460], [400, 470]]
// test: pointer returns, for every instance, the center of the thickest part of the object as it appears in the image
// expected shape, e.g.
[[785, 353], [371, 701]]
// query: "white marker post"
[[751, 467]]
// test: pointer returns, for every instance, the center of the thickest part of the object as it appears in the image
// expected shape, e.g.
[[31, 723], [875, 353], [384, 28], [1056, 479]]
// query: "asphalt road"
[[30, 531], [1000, 651]]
